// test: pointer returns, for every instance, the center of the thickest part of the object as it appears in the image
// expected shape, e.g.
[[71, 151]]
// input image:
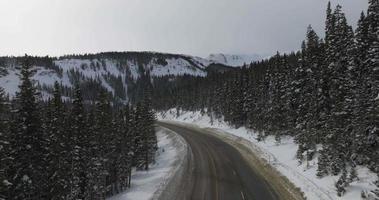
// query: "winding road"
[[219, 172]]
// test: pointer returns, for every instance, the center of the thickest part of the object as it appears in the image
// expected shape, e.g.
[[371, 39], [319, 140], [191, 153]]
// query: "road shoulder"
[[283, 187], [160, 181], [173, 185]]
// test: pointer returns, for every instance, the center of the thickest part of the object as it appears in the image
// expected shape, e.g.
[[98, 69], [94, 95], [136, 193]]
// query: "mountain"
[[233, 60], [117, 72]]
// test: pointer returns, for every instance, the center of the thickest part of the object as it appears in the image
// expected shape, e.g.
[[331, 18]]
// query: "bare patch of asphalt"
[[223, 167]]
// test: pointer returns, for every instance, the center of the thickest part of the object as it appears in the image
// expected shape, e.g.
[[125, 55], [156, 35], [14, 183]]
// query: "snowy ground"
[[149, 184], [282, 157]]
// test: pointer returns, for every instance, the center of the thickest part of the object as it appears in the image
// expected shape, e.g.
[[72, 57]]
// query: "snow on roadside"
[[147, 185], [282, 157]]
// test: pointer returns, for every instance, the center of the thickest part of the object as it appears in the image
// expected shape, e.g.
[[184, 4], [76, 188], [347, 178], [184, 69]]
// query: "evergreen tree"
[[58, 165], [5, 158], [27, 176], [372, 64], [102, 132], [79, 148], [342, 183]]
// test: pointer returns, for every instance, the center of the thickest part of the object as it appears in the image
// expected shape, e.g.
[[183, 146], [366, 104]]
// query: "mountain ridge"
[[116, 72]]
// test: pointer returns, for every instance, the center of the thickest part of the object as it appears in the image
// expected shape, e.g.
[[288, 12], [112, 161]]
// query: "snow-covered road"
[[282, 157]]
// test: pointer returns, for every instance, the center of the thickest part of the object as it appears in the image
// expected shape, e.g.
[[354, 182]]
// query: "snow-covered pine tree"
[[249, 106], [236, 101], [285, 75], [361, 103], [342, 183], [125, 161], [149, 136], [27, 142], [115, 153], [4, 145], [103, 150], [58, 164], [339, 91], [94, 171], [139, 142], [372, 63], [274, 112], [324, 98], [79, 148], [307, 85]]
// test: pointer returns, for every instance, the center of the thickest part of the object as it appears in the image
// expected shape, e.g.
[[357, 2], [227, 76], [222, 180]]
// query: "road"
[[219, 172]]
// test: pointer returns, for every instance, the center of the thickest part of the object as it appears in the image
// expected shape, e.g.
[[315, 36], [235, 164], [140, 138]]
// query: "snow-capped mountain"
[[115, 72], [233, 60]]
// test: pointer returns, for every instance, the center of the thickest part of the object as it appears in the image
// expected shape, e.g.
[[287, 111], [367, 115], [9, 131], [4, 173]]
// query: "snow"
[[10, 82], [99, 69], [133, 68], [282, 157], [149, 184], [84, 66], [42, 76], [200, 61], [175, 67], [233, 60], [46, 76]]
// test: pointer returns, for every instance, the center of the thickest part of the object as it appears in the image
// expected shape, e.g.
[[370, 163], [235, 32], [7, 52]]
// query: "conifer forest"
[[84, 142], [56, 149], [325, 94]]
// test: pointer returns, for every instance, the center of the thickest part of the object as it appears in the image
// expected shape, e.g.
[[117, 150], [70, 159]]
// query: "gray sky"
[[197, 27]]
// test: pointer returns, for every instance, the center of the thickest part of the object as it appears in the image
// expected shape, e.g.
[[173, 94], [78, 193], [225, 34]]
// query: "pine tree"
[[4, 145], [139, 140], [27, 143], [362, 73], [342, 183], [372, 64], [94, 171], [123, 157], [340, 92], [308, 86], [57, 158], [79, 148], [102, 132]]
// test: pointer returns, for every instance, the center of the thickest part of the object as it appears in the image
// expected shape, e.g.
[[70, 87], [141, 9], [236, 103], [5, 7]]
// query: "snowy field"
[[149, 184], [282, 157]]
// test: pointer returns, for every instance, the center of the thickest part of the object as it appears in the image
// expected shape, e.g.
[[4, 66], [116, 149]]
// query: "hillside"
[[118, 73], [233, 60]]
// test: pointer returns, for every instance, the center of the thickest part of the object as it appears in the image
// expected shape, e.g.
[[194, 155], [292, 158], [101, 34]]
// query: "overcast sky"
[[197, 27]]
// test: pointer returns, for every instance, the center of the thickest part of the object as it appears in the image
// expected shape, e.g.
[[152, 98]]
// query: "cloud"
[[198, 27]]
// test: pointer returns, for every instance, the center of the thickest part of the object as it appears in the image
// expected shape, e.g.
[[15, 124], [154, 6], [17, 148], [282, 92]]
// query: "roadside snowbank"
[[282, 157], [151, 184]]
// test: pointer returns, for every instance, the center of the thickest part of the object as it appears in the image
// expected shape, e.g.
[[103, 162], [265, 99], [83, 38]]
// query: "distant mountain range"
[[233, 60], [117, 72]]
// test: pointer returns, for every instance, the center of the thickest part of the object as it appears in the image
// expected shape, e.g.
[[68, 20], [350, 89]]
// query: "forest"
[[84, 141], [55, 149], [325, 95]]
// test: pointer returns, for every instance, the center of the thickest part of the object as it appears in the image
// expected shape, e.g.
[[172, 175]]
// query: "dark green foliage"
[[70, 150], [27, 143], [57, 147], [5, 157], [325, 95]]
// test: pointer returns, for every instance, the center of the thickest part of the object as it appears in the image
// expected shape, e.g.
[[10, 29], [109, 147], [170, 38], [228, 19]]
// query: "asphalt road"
[[219, 172]]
